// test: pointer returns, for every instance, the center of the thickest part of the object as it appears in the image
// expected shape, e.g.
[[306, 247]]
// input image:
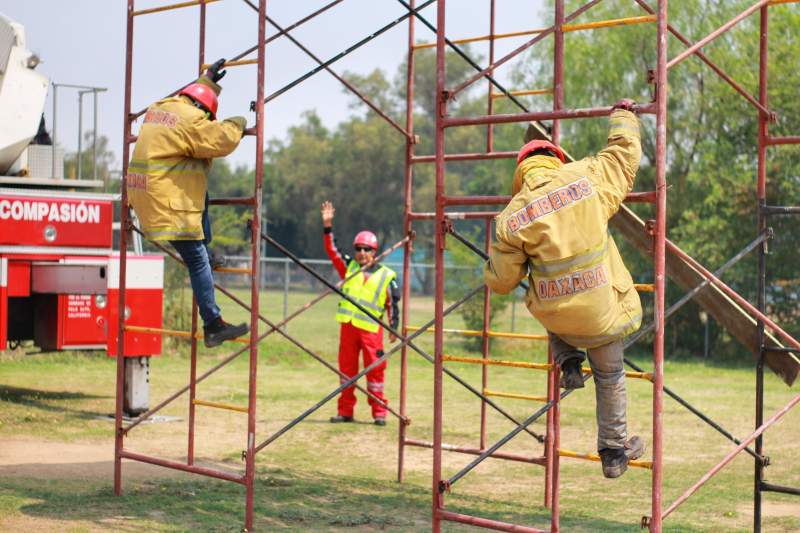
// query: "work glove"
[[625, 103], [213, 72], [240, 122]]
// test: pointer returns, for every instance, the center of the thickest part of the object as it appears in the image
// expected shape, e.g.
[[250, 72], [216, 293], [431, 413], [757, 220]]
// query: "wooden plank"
[[725, 311]]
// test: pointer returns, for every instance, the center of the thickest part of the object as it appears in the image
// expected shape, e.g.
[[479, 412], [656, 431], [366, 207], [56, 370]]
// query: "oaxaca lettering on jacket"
[[573, 283], [549, 203]]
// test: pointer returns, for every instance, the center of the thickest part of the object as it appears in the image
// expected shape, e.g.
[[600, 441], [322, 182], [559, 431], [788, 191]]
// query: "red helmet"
[[366, 238], [538, 145], [203, 95]]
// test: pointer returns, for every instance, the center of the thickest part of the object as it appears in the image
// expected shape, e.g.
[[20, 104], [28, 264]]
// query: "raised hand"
[[327, 211]]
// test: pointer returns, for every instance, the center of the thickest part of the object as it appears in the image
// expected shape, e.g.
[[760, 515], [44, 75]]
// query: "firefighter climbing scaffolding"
[[650, 236]]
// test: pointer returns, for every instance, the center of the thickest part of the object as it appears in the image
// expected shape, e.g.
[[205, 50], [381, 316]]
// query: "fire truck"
[[59, 273]]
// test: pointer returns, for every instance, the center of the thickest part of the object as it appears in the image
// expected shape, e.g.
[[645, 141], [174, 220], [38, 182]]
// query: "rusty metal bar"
[[594, 457], [728, 458], [456, 215], [496, 362], [171, 7], [469, 81], [699, 53], [202, 470], [220, 405], [529, 92], [174, 333], [487, 523], [514, 396], [777, 141], [628, 21], [716, 33], [473, 451], [330, 71], [465, 157], [489, 333], [589, 112]]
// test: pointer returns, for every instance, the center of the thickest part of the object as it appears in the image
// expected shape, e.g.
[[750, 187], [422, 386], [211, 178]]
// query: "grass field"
[[56, 449]]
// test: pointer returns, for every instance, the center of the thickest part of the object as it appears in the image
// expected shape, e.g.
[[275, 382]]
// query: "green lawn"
[[323, 477]]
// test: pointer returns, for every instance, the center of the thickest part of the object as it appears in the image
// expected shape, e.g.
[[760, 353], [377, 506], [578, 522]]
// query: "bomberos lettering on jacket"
[[545, 204]]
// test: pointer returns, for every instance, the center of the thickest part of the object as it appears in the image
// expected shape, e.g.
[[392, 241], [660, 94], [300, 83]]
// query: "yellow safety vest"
[[370, 294], [167, 174], [555, 232]]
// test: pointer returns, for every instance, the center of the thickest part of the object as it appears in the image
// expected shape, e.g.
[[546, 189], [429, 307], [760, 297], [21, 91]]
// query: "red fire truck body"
[[59, 277]]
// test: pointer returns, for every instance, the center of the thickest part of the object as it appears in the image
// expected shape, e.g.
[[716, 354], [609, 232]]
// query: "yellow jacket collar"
[[532, 168]]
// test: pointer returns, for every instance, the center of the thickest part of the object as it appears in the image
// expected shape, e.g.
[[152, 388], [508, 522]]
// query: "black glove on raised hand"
[[213, 73]]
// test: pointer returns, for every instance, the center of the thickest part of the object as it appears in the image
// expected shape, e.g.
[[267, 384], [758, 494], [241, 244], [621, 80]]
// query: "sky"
[[82, 42]]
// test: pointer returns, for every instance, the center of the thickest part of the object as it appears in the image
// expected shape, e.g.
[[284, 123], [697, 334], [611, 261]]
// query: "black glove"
[[213, 73], [625, 103]]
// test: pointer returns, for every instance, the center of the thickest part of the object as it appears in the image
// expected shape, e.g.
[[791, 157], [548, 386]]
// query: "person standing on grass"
[[555, 232], [375, 288], [166, 184]]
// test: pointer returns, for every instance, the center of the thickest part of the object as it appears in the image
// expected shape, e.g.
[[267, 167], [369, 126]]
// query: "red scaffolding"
[[775, 348]]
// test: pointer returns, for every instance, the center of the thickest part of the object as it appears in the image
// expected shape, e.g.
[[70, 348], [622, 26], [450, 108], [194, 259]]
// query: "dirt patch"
[[40, 459], [772, 509]]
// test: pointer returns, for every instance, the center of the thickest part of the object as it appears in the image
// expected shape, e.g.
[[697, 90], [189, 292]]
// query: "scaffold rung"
[[496, 362], [594, 457], [171, 7], [644, 287], [233, 270], [628, 21], [529, 92], [237, 63], [175, 333], [219, 405], [478, 333], [514, 396]]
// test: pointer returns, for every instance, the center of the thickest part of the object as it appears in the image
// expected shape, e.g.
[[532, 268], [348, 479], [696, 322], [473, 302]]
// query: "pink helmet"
[[538, 145], [366, 238], [203, 95]]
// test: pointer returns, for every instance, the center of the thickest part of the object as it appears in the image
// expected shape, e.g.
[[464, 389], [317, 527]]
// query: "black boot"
[[216, 260], [571, 375], [220, 331], [338, 419], [615, 460]]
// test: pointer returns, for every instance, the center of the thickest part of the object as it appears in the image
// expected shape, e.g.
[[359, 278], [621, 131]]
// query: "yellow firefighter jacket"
[[370, 294], [555, 232], [167, 174]]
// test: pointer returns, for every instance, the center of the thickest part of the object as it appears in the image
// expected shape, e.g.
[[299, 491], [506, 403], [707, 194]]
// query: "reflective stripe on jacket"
[[167, 174], [370, 294], [555, 232]]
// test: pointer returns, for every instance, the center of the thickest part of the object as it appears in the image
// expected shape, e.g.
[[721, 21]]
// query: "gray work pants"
[[609, 382]]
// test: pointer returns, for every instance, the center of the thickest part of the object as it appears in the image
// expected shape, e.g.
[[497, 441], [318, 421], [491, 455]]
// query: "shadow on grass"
[[40, 399], [285, 501]]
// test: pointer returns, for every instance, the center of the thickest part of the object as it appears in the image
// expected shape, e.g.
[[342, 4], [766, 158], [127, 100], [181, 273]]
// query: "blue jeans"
[[195, 255]]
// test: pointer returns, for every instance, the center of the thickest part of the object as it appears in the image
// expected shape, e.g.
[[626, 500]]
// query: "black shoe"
[[615, 460], [338, 419], [220, 331], [380, 421], [571, 375], [216, 260]]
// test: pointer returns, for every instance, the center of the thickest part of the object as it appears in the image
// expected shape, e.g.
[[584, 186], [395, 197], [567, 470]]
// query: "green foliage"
[[104, 161]]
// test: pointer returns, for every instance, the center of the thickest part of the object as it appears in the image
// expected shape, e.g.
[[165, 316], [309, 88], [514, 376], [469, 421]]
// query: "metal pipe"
[[465, 157], [171, 7], [473, 451], [485, 339], [489, 90], [220, 405], [716, 33], [94, 136], [775, 141], [529, 92], [347, 51], [330, 71], [558, 67], [588, 112], [192, 384], [659, 246], [55, 138], [721, 73], [123, 257], [388, 328], [205, 471], [487, 523], [728, 458], [514, 396], [469, 81], [408, 177], [80, 134], [451, 215]]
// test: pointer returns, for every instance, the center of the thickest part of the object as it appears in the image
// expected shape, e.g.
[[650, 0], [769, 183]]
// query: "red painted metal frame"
[[248, 477]]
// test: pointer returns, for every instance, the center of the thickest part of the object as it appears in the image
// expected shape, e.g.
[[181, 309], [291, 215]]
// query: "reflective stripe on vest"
[[371, 295], [557, 266]]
